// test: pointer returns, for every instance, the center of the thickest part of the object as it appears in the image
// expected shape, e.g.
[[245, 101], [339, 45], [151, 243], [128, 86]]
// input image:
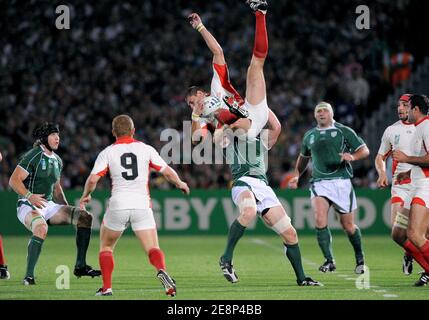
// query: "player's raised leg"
[[82, 219], [255, 82], [4, 273], [324, 238], [279, 221]]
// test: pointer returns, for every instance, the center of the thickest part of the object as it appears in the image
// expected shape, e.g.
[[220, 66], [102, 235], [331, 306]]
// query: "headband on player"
[[323, 105], [405, 97]]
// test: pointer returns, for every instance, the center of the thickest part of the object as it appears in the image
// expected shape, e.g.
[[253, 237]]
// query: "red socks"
[[156, 258], [416, 254], [107, 265], [2, 258], [425, 251], [260, 49]]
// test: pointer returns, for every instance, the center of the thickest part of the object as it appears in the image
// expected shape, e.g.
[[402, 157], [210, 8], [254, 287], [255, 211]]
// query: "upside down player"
[[36, 180], [4, 273], [129, 162], [418, 222], [250, 114], [398, 136]]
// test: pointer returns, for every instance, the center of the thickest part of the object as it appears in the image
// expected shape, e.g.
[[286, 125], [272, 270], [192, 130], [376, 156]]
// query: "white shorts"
[[139, 219], [339, 192], [259, 116], [401, 193], [47, 212], [419, 193], [265, 196]]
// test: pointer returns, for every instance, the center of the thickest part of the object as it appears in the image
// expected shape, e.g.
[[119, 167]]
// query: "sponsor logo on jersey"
[[43, 164]]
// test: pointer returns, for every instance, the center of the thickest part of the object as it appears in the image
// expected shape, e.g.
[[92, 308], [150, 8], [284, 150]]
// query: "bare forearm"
[[18, 186], [171, 176], [89, 187], [418, 161], [380, 165], [361, 153], [301, 165], [211, 42]]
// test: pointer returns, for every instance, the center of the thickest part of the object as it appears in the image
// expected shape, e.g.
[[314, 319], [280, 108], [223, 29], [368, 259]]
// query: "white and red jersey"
[[420, 147], [220, 86], [129, 162], [398, 136]]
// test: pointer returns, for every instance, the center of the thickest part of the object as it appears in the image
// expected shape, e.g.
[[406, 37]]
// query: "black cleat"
[[424, 280], [256, 5], [168, 283], [235, 108], [28, 281], [107, 292], [407, 265], [86, 271], [308, 282], [4, 273], [328, 266], [228, 271], [360, 267]]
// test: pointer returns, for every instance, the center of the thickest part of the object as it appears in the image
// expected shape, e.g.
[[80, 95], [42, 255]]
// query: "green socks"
[[294, 255], [355, 240], [34, 248], [83, 235], [236, 231], [324, 239]]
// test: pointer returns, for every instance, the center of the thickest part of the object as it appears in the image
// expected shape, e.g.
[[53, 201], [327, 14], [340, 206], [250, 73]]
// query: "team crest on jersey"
[[396, 140], [43, 164], [333, 134], [311, 139]]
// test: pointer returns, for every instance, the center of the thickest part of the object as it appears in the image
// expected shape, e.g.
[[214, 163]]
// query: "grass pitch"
[[263, 269]]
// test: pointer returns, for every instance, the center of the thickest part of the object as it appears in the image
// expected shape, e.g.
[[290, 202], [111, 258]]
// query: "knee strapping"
[[401, 221], [282, 225], [37, 221]]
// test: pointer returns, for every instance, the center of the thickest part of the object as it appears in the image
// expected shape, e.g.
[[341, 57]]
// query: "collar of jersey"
[[125, 140], [48, 155], [327, 128], [421, 120]]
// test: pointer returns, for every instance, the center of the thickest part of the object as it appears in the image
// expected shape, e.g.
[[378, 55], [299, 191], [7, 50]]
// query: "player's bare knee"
[[247, 214], [290, 236], [348, 227], [320, 220], [85, 219], [40, 230]]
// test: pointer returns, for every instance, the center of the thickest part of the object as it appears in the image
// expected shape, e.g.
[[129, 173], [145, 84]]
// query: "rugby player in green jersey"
[[41, 200], [253, 196], [332, 147]]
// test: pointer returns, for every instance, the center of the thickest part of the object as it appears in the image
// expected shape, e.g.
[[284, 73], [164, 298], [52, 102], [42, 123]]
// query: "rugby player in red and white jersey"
[[398, 136], [249, 114], [129, 163], [418, 222]]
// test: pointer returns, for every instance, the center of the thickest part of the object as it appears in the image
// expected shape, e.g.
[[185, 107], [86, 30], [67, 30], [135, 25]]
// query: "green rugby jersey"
[[43, 171], [324, 146], [247, 159]]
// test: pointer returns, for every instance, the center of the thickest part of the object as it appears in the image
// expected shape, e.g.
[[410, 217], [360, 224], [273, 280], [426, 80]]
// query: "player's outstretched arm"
[[212, 44], [380, 166], [59, 195], [300, 167], [16, 182], [173, 178], [90, 185]]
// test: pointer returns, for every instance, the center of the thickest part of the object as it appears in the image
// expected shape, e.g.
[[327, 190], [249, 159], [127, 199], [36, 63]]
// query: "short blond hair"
[[122, 125]]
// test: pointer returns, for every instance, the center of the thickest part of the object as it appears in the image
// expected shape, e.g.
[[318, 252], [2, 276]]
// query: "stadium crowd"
[[139, 58]]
